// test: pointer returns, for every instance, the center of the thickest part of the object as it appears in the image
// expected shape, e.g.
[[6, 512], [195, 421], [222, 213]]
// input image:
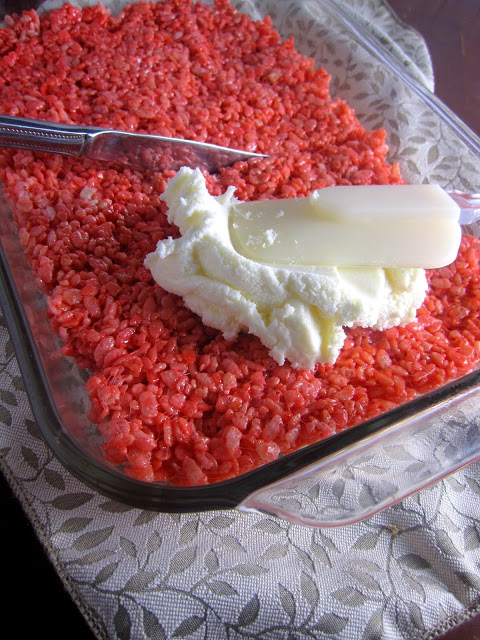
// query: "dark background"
[[452, 31]]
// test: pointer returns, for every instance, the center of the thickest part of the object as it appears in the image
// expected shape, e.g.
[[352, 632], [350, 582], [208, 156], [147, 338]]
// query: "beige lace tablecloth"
[[409, 572]]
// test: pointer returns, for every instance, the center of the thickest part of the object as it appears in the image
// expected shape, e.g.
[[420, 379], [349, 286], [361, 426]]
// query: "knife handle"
[[37, 135]]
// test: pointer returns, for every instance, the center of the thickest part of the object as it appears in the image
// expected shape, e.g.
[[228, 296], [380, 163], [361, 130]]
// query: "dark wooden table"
[[452, 31]]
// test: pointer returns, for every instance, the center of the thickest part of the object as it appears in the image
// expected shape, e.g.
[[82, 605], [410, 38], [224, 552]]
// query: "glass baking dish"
[[360, 471]]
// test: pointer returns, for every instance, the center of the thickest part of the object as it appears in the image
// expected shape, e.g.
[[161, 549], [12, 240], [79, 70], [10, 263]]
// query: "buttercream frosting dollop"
[[298, 312]]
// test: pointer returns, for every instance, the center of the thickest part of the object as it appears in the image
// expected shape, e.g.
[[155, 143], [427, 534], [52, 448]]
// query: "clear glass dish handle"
[[381, 470], [469, 206]]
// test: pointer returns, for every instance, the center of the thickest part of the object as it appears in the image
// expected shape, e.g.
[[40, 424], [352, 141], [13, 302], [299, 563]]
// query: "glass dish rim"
[[229, 493], [379, 51]]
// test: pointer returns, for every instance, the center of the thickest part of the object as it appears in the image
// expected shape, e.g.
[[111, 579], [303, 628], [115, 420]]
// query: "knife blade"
[[143, 151]]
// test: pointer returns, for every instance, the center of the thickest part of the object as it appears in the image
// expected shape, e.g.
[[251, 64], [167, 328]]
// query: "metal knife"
[[139, 150]]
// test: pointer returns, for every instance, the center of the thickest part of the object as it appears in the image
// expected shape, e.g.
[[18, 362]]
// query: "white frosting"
[[297, 311]]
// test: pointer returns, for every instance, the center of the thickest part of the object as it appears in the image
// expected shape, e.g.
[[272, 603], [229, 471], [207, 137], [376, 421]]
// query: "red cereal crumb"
[[174, 401]]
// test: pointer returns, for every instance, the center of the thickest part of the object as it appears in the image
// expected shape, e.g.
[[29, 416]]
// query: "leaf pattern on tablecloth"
[[400, 574], [222, 575]]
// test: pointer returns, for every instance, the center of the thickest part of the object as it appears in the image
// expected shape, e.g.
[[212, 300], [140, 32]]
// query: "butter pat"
[[297, 311], [384, 225]]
